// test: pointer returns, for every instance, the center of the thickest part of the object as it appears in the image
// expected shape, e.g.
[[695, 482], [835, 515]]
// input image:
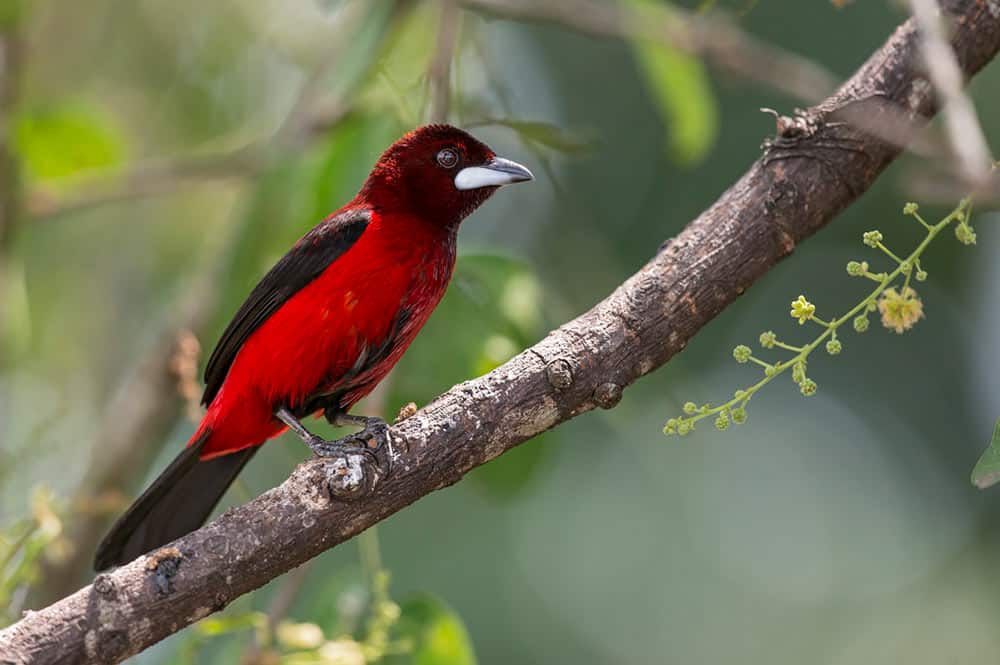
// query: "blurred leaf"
[[11, 12], [337, 604], [66, 140], [681, 89], [400, 84], [546, 134], [436, 632], [986, 473], [497, 349], [22, 546], [294, 635], [222, 625]]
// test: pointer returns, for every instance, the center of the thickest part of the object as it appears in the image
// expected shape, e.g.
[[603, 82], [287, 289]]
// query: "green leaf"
[[66, 140], [546, 134], [399, 85], [11, 13], [987, 470], [436, 632], [680, 88], [223, 624]]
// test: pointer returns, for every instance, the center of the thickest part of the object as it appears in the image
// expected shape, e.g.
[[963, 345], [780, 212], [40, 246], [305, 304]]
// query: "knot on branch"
[[112, 646], [104, 586], [559, 374], [802, 125], [351, 477], [607, 395], [162, 565]]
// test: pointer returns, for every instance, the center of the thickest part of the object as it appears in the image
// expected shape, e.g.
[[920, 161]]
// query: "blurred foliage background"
[[169, 152]]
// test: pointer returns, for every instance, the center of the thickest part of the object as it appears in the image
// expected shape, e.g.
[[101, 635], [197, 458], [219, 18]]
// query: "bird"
[[323, 327]]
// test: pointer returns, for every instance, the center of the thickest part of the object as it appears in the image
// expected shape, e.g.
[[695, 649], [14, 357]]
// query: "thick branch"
[[811, 173]]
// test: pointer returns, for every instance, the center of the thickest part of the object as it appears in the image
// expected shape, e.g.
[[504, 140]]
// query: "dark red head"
[[440, 173]]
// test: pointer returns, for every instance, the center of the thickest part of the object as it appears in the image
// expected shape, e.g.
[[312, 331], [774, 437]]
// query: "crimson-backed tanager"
[[323, 326]]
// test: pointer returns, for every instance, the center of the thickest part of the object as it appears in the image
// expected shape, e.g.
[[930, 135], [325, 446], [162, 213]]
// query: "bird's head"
[[440, 173]]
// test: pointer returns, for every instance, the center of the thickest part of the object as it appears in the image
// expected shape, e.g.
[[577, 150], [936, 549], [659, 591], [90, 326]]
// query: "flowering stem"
[[916, 215], [875, 277], [906, 282], [888, 253], [884, 280]]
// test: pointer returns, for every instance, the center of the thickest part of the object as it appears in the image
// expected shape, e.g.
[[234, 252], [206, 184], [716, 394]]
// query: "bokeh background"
[[171, 151]]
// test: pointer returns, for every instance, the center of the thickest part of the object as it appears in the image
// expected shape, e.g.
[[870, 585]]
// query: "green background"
[[837, 529]]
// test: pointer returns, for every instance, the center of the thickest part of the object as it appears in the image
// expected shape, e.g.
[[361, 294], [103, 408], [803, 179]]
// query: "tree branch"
[[723, 44], [812, 171], [967, 140]]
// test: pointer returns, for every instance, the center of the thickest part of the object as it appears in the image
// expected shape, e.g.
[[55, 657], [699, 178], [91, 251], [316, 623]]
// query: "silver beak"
[[498, 171]]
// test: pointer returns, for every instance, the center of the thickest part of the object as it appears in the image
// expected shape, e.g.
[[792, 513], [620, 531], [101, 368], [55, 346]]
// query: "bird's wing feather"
[[310, 256]]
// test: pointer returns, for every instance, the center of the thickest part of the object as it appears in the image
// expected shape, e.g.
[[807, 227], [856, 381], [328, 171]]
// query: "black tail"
[[177, 503]]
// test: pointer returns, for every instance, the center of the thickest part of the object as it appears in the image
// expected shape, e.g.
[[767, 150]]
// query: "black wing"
[[302, 264]]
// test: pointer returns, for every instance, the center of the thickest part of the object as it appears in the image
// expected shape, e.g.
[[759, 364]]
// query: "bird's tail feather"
[[176, 503]]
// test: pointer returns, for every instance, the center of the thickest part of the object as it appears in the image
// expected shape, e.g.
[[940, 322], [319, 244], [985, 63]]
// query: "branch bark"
[[811, 172]]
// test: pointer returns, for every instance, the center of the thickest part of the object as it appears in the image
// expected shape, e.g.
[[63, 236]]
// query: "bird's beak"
[[498, 171]]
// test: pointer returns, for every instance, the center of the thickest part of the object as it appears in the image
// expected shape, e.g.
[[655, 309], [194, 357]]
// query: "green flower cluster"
[[893, 298]]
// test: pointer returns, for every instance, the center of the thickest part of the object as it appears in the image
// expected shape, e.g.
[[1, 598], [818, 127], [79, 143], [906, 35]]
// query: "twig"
[[721, 42], [439, 75], [786, 196], [964, 132]]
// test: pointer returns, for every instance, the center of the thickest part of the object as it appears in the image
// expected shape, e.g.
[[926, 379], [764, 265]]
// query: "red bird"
[[323, 326]]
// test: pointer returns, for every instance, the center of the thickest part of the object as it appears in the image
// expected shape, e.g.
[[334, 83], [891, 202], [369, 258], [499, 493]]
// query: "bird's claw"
[[372, 442]]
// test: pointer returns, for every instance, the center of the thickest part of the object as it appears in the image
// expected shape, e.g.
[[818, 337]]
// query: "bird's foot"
[[372, 441]]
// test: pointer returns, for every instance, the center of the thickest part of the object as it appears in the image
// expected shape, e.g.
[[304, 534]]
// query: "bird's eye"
[[447, 158]]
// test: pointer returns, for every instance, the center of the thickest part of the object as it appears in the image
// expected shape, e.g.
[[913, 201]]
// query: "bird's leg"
[[320, 446], [373, 435], [373, 429]]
